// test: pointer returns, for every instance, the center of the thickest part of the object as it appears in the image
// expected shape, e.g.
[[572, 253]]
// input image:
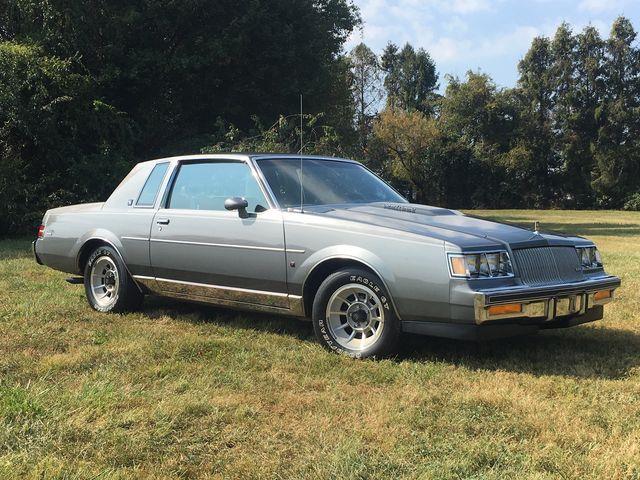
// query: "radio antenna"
[[300, 152], [301, 125]]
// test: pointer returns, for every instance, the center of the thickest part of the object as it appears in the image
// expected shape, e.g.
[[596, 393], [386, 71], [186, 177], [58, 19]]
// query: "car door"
[[198, 249], [132, 216]]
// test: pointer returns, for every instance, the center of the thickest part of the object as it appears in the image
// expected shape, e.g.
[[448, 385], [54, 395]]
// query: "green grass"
[[179, 390]]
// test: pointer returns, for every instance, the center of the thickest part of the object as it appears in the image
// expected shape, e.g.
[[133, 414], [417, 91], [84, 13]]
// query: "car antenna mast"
[[300, 153]]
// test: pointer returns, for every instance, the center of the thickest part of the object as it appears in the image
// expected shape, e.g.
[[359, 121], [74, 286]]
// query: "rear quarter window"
[[149, 192]]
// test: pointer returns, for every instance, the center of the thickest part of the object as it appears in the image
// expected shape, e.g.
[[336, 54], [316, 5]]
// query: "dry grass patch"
[[178, 390]]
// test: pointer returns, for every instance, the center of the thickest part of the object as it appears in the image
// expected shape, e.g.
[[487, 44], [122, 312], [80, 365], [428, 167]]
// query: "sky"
[[486, 35]]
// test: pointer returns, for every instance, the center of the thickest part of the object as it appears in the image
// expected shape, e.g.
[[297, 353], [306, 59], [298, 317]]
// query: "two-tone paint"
[[274, 260]]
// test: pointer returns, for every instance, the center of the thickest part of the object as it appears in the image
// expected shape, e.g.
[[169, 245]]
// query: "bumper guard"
[[545, 302]]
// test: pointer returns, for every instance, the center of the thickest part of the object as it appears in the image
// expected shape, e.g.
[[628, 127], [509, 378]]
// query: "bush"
[[633, 202], [54, 135], [283, 136]]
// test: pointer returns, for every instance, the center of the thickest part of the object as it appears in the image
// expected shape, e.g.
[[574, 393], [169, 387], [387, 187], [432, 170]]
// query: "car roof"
[[247, 156]]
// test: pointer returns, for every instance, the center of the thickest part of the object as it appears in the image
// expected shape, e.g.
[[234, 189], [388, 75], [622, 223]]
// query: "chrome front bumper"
[[546, 302]]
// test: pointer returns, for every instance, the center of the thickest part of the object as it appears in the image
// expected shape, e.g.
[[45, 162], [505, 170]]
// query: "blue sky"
[[490, 35]]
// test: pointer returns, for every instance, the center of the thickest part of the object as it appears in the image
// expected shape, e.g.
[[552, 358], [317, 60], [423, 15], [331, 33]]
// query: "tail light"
[[41, 231]]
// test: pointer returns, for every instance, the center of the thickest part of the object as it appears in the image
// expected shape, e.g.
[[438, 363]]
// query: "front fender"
[[348, 252], [345, 252]]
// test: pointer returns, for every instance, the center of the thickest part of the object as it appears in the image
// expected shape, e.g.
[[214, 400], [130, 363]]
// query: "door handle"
[[162, 221]]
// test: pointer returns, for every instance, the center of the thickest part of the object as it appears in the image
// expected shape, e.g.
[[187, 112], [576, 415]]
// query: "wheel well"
[[322, 271], [86, 249]]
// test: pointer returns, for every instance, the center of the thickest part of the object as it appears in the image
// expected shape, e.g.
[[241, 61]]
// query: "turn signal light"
[[505, 309], [458, 266], [602, 294]]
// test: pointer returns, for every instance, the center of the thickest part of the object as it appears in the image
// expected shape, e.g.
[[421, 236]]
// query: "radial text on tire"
[[353, 315], [107, 283]]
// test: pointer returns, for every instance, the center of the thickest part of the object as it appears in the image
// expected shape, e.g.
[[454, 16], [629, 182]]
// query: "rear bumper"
[[547, 303], [35, 254]]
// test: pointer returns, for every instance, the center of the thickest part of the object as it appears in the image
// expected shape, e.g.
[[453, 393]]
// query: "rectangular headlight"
[[480, 265], [589, 257]]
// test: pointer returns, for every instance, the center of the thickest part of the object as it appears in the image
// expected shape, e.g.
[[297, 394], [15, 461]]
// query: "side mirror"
[[237, 203]]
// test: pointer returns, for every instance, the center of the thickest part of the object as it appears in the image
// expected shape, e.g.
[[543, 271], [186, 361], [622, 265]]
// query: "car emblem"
[[399, 208]]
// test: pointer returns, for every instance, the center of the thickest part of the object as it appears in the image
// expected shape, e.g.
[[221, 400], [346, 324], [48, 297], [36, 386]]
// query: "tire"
[[107, 283], [368, 327]]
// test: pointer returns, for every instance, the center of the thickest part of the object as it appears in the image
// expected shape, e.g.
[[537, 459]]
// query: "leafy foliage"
[[568, 135], [411, 78], [170, 64], [633, 202], [366, 78], [89, 88], [54, 134], [287, 135]]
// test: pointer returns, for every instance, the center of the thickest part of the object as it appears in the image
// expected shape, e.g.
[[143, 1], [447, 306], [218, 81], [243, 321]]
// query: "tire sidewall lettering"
[[324, 332], [373, 286], [104, 253]]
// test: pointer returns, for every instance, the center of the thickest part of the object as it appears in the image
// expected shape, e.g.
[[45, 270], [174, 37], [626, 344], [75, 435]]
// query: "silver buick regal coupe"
[[325, 239]]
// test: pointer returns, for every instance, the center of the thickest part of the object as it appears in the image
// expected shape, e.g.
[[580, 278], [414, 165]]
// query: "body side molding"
[[273, 302]]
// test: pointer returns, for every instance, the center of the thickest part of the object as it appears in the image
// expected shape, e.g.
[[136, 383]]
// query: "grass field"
[[179, 390]]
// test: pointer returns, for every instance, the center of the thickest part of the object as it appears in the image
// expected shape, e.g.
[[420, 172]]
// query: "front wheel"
[[352, 315], [108, 285]]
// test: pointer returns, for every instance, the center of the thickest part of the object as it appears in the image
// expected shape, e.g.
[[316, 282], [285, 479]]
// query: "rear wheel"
[[352, 315], [108, 285]]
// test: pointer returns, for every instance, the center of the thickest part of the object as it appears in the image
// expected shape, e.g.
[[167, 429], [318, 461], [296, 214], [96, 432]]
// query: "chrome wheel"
[[104, 281], [355, 316]]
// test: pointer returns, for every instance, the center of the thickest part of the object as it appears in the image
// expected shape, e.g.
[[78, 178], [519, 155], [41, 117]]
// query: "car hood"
[[440, 223]]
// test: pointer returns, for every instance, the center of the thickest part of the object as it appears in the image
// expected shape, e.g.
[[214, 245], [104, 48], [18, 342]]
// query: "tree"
[[617, 172], [590, 91], [7, 20], [572, 141], [536, 94], [80, 77], [477, 110], [485, 121], [175, 67], [283, 136], [366, 81], [59, 144], [419, 151], [411, 78], [406, 138]]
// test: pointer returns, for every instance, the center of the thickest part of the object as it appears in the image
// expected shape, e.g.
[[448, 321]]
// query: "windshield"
[[325, 182]]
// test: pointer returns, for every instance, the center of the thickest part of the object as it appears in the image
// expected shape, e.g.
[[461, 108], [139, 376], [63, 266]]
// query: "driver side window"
[[205, 186]]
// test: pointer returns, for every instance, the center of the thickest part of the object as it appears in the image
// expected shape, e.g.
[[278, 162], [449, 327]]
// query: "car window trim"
[[166, 200], [158, 190]]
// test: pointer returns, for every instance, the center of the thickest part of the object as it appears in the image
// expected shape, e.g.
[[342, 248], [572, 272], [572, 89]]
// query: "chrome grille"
[[547, 265]]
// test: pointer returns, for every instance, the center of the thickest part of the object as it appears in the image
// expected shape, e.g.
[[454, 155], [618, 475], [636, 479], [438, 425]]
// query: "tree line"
[[87, 89], [566, 136]]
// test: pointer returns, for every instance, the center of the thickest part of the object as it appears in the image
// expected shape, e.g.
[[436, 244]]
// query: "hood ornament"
[[536, 230]]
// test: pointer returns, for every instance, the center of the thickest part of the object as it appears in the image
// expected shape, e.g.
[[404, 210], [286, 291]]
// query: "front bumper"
[[544, 303]]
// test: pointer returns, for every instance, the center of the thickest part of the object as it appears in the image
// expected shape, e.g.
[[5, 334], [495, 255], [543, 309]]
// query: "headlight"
[[589, 257], [480, 265]]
